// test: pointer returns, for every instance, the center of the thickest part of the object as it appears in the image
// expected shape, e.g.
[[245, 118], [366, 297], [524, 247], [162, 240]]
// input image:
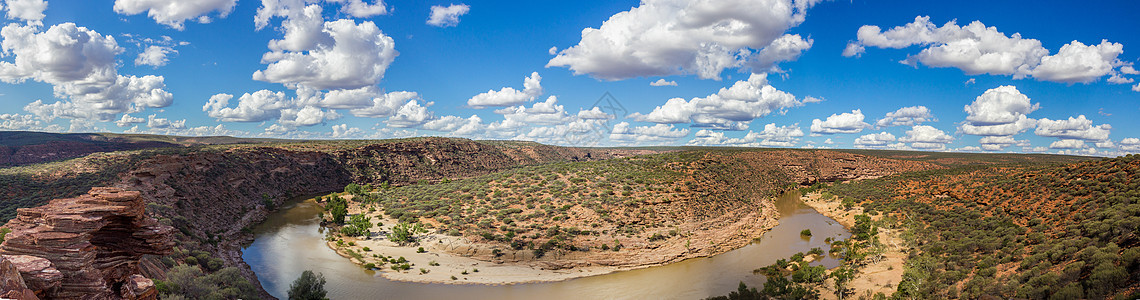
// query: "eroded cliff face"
[[84, 247], [432, 159]]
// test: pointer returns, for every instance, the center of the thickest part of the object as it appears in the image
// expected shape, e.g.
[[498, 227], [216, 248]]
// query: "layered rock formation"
[[85, 247]]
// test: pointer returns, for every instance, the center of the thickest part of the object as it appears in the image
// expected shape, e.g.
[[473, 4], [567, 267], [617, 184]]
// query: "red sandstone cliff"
[[85, 247]]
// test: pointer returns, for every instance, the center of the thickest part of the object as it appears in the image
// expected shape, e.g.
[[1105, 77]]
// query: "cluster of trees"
[[404, 232], [190, 282], [338, 208], [358, 225]]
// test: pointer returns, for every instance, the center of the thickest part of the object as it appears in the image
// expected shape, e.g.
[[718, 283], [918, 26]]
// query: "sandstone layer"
[[84, 247]]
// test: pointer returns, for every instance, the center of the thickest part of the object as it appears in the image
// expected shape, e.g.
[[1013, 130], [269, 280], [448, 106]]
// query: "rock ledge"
[[85, 247]]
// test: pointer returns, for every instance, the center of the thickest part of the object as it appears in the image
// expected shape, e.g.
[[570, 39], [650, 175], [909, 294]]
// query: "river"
[[291, 241]]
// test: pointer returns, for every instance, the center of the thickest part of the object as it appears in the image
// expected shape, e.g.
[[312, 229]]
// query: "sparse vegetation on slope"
[[1024, 231], [633, 211]]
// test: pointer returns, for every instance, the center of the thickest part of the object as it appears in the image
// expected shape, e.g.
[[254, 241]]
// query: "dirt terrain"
[[880, 275], [499, 202], [622, 213]]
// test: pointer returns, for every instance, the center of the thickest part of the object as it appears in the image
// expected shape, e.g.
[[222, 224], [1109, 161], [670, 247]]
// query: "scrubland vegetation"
[[1023, 231], [570, 206]]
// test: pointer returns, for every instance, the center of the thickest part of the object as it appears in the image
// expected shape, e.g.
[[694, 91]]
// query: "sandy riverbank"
[[877, 277], [444, 267], [445, 257]]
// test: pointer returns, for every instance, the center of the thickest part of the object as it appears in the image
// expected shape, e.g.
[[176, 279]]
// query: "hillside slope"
[[1023, 231], [631, 212]]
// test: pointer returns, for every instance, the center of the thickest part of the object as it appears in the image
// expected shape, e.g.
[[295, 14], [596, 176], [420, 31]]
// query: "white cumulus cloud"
[[1130, 144], [656, 134], [1000, 111], [1073, 128], [906, 116], [291, 8], [1068, 144], [730, 108], [771, 136], [81, 66], [447, 16], [31, 11], [926, 137], [544, 113], [674, 37], [508, 96], [357, 56], [154, 56], [977, 49], [175, 13], [127, 120], [161, 123], [663, 82], [411, 114], [851, 122], [874, 140]]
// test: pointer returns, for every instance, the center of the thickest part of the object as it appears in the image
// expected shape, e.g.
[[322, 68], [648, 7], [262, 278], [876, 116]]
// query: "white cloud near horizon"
[[508, 96], [906, 116], [851, 122], [731, 108]]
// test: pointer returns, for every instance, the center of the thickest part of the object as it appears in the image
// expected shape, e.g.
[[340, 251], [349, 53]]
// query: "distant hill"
[[19, 148]]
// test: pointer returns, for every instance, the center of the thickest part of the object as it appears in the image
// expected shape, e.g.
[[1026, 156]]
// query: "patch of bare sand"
[[881, 276], [437, 264]]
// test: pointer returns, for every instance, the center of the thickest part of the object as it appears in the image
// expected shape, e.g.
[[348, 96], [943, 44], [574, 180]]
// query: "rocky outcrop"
[[12, 284], [39, 274], [86, 247]]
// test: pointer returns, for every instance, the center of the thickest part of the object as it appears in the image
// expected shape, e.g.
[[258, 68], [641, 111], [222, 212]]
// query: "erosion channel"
[[291, 241]]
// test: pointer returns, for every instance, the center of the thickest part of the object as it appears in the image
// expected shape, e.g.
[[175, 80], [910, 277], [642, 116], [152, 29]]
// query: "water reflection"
[[291, 241]]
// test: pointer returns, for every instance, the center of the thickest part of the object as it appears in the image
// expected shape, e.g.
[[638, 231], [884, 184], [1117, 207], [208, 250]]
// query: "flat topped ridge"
[[85, 212], [114, 194]]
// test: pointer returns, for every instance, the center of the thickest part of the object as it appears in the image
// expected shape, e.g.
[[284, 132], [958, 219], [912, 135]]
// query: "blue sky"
[[779, 73]]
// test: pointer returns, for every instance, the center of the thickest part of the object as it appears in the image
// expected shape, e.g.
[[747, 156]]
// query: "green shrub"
[[308, 287]]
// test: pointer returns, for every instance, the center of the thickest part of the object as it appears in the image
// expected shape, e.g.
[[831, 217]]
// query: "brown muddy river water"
[[291, 241]]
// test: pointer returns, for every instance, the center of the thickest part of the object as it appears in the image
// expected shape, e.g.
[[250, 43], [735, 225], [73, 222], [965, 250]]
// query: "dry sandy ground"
[[456, 255], [436, 248], [878, 277]]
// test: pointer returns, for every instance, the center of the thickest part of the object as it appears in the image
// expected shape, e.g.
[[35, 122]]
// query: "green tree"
[[309, 286], [405, 232], [842, 276], [338, 208], [358, 225]]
